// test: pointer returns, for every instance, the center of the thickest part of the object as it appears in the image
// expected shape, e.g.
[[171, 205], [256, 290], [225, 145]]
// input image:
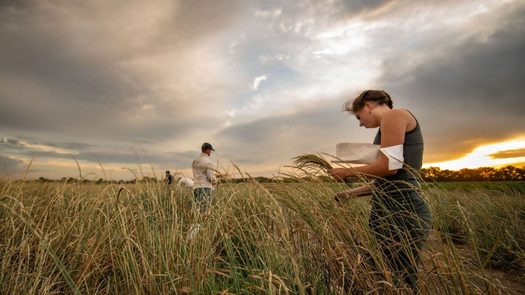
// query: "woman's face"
[[365, 117]]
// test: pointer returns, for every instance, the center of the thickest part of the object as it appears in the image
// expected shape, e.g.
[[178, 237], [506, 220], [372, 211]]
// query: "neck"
[[379, 111]]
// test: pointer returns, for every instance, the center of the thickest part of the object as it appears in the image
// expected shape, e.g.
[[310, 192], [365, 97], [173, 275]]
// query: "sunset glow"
[[491, 155]]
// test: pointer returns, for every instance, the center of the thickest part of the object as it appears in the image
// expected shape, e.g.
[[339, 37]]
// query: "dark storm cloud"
[[509, 154], [333, 10], [200, 18], [359, 6], [123, 156], [38, 52], [58, 75], [276, 139], [182, 159], [15, 4], [13, 143], [9, 142], [472, 92], [28, 144], [314, 120], [9, 165], [32, 51], [135, 156], [92, 153], [71, 145]]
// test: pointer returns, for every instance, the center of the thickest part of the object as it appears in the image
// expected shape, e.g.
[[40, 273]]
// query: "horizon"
[[451, 165], [91, 177], [146, 83]]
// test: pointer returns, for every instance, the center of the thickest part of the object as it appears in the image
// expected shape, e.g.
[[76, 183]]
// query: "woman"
[[400, 218]]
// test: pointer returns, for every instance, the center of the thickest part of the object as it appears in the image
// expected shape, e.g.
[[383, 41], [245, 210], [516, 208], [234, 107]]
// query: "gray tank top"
[[412, 153]]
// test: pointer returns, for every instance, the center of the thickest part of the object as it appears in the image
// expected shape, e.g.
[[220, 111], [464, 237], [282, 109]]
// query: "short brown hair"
[[378, 96]]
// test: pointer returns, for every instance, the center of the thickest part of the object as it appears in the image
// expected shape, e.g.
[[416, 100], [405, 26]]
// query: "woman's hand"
[[340, 196], [339, 173], [352, 193]]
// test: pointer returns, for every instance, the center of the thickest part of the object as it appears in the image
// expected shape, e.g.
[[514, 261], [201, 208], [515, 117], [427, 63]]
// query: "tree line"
[[433, 174], [507, 173]]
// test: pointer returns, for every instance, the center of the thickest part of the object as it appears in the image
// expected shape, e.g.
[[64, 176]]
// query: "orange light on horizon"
[[484, 156]]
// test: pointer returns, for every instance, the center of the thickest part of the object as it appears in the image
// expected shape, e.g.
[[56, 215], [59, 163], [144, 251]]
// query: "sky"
[[123, 86]]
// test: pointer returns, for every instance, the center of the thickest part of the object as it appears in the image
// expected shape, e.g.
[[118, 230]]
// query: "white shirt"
[[203, 175], [184, 181]]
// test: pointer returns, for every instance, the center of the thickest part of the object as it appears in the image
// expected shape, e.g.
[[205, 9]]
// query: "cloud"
[[106, 154], [47, 148], [471, 91], [274, 140], [353, 7], [273, 13], [484, 156], [30, 146], [97, 78], [95, 67], [257, 81], [9, 165], [509, 154]]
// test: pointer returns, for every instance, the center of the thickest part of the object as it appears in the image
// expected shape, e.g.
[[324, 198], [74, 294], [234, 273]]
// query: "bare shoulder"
[[400, 117], [397, 115]]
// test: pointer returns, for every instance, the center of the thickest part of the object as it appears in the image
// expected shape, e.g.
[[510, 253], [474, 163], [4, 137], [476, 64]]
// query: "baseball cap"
[[206, 146]]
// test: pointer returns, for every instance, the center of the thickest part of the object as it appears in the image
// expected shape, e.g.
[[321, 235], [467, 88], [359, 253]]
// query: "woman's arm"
[[363, 190], [393, 128]]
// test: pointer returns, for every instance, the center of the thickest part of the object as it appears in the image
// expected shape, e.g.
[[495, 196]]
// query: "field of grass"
[[276, 238]]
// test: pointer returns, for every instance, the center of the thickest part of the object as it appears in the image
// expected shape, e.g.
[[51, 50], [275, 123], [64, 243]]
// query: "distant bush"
[[480, 174]]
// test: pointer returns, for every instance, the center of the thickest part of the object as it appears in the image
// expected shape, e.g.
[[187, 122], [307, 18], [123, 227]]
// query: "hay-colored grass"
[[277, 238]]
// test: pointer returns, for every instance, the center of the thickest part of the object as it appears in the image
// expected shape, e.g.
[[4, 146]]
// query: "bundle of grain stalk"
[[313, 164]]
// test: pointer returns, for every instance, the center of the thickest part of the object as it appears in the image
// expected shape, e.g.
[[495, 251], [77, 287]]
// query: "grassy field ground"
[[276, 238]]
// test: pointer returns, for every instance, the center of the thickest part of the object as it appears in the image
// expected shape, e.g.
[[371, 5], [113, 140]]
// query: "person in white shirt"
[[203, 177]]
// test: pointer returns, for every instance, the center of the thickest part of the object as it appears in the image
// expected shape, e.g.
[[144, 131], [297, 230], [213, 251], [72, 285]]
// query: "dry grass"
[[314, 162], [280, 238]]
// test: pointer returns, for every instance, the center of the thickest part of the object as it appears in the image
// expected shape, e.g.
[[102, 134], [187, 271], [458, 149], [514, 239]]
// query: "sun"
[[490, 155]]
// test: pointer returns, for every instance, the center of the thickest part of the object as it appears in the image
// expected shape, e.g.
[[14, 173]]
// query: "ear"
[[370, 105]]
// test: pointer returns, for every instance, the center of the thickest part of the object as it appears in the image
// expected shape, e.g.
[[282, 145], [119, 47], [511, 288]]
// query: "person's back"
[[204, 177]]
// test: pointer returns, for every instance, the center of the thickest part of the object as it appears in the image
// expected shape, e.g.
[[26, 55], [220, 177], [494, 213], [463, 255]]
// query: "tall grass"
[[277, 238]]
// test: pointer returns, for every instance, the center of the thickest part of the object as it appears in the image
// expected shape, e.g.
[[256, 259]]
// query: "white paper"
[[395, 156], [357, 153]]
